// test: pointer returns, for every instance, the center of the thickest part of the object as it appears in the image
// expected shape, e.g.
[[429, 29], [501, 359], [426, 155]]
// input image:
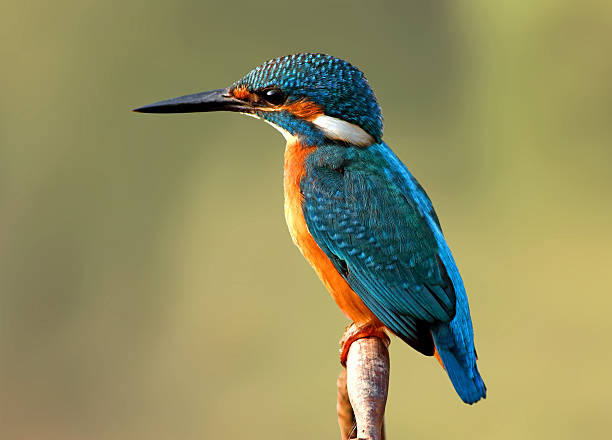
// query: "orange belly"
[[348, 301]]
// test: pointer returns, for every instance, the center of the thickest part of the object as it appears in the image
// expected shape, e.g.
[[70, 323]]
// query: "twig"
[[346, 417], [362, 390]]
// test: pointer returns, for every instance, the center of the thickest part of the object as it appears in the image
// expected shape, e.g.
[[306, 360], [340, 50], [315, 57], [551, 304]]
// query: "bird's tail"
[[458, 357]]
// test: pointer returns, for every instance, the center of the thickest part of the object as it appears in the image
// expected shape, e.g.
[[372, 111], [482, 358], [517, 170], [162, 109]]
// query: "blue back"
[[377, 225]]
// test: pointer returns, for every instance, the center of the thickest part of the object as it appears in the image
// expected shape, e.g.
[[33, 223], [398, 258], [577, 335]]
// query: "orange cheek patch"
[[303, 109]]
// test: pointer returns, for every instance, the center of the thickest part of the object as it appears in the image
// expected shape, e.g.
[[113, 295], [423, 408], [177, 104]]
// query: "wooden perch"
[[362, 390]]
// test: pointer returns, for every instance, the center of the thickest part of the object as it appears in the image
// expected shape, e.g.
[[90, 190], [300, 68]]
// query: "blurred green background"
[[148, 285]]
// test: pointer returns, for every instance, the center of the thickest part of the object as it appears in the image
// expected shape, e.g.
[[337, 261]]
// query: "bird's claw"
[[353, 333]]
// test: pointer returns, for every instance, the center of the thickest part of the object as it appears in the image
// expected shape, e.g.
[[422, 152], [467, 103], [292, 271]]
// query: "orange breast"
[[348, 301]]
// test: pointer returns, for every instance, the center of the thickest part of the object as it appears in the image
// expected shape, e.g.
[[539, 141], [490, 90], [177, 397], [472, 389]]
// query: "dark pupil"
[[274, 96]]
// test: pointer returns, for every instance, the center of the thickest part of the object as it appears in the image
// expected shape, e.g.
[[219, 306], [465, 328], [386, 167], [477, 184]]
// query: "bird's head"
[[314, 97]]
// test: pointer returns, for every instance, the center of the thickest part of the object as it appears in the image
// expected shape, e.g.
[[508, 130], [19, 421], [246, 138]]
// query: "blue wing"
[[379, 237], [377, 225]]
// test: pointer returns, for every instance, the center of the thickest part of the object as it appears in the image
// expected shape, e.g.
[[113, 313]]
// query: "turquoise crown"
[[339, 87]]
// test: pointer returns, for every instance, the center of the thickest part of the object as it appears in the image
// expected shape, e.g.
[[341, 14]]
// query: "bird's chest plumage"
[[294, 171]]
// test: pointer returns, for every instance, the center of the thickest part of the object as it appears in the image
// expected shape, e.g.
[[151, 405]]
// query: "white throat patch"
[[340, 130], [288, 136], [333, 128]]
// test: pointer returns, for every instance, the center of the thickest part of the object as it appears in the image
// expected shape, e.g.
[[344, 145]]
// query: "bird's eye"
[[274, 96]]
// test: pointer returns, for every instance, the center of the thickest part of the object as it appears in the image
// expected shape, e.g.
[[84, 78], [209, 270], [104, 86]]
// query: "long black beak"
[[213, 101]]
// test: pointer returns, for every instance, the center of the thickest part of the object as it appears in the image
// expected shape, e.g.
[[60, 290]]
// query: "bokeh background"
[[148, 285]]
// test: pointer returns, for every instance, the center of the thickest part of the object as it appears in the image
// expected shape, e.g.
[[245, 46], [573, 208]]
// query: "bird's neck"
[[317, 129]]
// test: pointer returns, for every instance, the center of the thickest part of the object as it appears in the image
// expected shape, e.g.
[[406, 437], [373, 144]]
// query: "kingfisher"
[[354, 210]]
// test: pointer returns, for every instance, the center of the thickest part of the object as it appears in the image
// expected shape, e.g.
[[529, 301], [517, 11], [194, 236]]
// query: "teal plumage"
[[357, 214], [376, 223], [334, 83]]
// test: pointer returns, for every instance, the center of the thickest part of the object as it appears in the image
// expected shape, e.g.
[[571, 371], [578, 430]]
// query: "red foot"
[[352, 333]]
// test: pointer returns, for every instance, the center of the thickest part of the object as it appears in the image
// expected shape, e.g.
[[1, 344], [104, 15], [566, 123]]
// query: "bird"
[[353, 208]]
